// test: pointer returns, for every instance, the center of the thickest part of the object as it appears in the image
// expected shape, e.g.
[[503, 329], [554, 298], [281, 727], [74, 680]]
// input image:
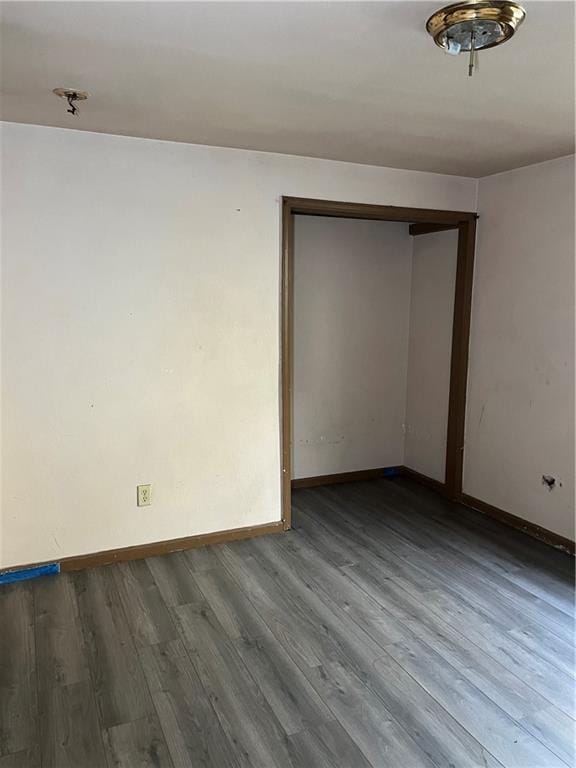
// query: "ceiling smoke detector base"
[[72, 96], [71, 93]]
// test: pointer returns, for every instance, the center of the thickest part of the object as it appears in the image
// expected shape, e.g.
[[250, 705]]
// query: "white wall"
[[351, 309], [520, 415], [140, 331], [430, 348]]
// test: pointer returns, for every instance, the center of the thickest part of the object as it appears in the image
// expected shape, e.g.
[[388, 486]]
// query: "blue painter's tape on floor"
[[391, 471], [8, 577]]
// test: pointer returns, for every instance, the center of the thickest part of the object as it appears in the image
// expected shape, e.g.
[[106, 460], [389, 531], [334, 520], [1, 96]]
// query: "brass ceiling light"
[[472, 26]]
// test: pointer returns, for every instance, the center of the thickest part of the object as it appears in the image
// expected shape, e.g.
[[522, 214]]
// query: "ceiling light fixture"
[[71, 95], [472, 26]]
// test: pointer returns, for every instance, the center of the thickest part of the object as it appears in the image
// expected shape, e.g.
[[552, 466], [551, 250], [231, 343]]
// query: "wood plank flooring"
[[388, 629]]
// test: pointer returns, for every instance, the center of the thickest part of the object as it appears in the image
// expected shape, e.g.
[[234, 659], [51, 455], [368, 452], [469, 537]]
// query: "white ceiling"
[[350, 81]]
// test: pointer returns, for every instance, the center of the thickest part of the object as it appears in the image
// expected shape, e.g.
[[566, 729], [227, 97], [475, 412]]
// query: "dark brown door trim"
[[459, 359], [466, 224]]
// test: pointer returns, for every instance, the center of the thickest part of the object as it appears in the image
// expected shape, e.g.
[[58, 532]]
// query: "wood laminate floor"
[[388, 629]]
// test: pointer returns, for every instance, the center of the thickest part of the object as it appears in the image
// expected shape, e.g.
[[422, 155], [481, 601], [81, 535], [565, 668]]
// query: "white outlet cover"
[[144, 495]]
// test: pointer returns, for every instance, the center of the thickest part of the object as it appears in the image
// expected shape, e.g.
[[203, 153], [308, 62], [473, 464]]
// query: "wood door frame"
[[423, 220]]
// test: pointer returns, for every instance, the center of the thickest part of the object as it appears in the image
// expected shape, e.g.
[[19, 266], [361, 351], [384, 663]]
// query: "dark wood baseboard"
[[109, 556], [436, 485], [346, 477], [513, 521], [164, 547]]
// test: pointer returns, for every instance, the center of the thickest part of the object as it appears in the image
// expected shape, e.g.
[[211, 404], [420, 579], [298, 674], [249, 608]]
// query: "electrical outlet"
[[144, 495]]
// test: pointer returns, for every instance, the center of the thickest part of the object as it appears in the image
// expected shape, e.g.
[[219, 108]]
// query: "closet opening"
[[302, 225]]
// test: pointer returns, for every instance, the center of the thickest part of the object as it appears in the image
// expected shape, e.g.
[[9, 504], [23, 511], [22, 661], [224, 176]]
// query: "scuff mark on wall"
[[549, 481], [322, 440], [481, 415]]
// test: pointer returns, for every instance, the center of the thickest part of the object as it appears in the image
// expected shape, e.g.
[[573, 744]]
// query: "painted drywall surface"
[[520, 414], [351, 309], [140, 331], [430, 347]]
